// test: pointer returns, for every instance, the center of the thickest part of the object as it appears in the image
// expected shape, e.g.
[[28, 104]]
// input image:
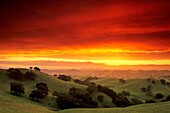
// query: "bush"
[[17, 88], [30, 75], [163, 81], [150, 101], [64, 77], [100, 98], [159, 96]]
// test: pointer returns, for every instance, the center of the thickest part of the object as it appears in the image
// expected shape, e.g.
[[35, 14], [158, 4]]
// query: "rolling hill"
[[13, 104]]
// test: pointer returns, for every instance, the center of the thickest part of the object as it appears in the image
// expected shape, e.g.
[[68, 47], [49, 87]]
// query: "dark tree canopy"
[[17, 88], [15, 74], [76, 99], [30, 75], [40, 92], [159, 96]]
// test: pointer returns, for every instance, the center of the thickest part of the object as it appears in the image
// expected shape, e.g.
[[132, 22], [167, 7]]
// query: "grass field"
[[13, 104]]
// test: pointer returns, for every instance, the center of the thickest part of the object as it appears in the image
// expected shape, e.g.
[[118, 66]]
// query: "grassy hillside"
[[134, 86], [144, 108], [13, 104]]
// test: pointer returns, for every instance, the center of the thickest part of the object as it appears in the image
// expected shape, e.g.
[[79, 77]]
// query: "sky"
[[99, 32]]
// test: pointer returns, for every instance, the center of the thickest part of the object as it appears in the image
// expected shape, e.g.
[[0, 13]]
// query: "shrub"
[[100, 98], [64, 77], [163, 81], [159, 96], [30, 75], [17, 88], [150, 101]]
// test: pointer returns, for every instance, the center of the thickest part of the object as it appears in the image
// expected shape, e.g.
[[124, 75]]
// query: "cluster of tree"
[[120, 100], [164, 82], [122, 81], [18, 75], [40, 92], [76, 99], [17, 88], [15, 74], [64, 77]]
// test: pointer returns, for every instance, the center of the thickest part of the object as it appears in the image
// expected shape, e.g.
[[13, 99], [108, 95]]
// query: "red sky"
[[111, 32]]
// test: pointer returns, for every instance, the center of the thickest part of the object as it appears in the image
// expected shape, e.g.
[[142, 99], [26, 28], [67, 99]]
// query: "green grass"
[[144, 108], [134, 86], [13, 104]]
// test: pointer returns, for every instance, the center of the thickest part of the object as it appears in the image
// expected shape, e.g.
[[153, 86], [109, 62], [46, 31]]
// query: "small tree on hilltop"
[[37, 68], [17, 88]]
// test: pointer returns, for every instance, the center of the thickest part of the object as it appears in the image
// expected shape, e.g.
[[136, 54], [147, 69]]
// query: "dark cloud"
[[38, 24]]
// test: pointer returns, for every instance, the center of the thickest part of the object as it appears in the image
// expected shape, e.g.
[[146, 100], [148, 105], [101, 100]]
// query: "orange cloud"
[[86, 30]]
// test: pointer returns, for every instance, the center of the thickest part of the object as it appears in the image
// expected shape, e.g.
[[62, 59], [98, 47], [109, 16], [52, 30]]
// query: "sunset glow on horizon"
[[109, 32]]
